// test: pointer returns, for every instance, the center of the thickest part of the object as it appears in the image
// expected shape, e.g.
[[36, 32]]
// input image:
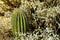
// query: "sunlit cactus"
[[19, 22]]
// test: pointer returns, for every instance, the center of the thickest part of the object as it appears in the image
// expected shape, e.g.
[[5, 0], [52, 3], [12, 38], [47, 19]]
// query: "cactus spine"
[[19, 22]]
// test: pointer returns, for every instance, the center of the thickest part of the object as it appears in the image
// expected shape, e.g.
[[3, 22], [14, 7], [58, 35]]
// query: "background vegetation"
[[43, 17]]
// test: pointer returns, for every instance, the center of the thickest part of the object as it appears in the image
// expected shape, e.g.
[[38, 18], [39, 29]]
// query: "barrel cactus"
[[19, 22]]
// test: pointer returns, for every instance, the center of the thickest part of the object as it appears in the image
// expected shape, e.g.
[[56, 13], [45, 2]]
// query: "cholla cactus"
[[19, 22]]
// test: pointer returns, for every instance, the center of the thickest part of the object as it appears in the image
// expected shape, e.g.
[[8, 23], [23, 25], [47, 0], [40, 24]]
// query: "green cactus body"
[[19, 22]]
